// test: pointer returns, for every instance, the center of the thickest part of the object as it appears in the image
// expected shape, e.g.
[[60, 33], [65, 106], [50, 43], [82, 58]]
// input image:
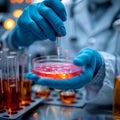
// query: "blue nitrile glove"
[[40, 21], [90, 59]]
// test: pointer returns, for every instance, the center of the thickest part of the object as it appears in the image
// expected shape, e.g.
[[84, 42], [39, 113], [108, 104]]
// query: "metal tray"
[[54, 99], [21, 112]]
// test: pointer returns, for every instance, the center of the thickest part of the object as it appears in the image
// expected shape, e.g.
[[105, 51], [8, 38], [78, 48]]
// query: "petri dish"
[[55, 67]]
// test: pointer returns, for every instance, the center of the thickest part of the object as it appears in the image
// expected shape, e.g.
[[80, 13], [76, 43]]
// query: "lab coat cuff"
[[94, 86], [100, 73], [100, 90], [98, 78]]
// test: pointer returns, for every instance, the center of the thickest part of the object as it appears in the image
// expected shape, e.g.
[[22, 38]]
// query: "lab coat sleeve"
[[45, 47], [100, 90]]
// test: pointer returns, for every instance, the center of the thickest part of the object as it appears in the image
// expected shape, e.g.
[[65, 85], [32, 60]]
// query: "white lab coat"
[[101, 38]]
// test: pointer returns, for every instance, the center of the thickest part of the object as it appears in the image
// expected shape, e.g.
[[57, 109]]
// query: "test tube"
[[4, 75], [1, 54], [67, 54], [116, 99], [2, 107], [58, 40], [5, 52], [25, 84], [22, 52], [11, 85]]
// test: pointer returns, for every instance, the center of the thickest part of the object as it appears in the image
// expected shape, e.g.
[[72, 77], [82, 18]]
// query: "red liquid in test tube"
[[1, 90], [10, 85], [116, 101], [11, 97], [26, 94], [1, 99]]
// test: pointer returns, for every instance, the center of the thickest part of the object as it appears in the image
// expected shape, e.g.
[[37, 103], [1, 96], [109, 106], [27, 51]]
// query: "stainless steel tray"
[[21, 112], [54, 99]]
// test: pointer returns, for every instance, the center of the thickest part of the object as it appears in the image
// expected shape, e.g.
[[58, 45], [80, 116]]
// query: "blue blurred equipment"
[[40, 21], [90, 59]]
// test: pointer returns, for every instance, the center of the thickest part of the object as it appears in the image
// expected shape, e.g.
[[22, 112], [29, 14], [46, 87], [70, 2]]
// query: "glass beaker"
[[68, 96], [116, 98], [42, 91]]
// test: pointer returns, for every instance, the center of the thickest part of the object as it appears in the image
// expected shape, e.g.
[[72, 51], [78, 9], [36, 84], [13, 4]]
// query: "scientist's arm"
[[97, 77], [39, 21], [100, 89]]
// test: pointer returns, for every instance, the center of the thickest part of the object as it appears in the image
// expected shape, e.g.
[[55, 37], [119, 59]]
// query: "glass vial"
[[116, 98], [68, 96]]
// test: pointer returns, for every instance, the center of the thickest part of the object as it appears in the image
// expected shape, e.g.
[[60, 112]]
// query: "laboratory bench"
[[57, 112], [53, 108], [43, 111]]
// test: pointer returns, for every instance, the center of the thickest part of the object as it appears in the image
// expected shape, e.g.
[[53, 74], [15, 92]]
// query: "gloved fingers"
[[37, 31], [85, 77], [53, 19], [47, 29], [83, 58], [95, 55], [22, 34], [58, 7], [42, 23], [25, 21], [32, 77], [58, 84], [44, 81], [86, 50]]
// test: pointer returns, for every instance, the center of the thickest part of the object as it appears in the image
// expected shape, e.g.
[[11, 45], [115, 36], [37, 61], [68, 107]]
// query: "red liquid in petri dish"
[[56, 70]]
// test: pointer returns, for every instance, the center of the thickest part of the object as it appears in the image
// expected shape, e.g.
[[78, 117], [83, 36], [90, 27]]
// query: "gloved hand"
[[90, 59], [40, 21]]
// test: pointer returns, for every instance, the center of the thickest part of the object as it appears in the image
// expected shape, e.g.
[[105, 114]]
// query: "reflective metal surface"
[[50, 112]]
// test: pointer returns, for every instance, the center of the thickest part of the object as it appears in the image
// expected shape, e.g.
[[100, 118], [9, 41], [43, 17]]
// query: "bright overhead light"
[[9, 24]]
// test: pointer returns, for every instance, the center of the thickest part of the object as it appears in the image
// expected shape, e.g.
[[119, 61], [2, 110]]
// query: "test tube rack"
[[22, 111]]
